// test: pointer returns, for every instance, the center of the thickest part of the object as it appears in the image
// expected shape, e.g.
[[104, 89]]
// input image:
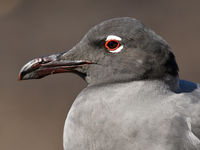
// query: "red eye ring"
[[112, 45]]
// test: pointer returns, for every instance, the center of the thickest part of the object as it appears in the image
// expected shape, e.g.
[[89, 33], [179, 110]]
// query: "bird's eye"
[[112, 45]]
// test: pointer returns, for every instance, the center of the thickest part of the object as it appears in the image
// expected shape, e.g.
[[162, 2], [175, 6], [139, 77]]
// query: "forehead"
[[119, 26]]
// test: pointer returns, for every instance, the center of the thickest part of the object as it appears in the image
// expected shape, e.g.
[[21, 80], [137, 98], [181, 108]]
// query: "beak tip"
[[19, 77]]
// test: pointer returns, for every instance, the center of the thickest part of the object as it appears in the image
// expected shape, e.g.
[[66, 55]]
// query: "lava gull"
[[134, 99]]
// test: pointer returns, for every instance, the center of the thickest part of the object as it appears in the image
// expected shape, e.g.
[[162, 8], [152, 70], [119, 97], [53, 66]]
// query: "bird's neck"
[[170, 83]]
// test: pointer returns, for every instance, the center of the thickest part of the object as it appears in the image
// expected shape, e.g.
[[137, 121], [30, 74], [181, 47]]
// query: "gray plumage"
[[135, 115], [134, 99]]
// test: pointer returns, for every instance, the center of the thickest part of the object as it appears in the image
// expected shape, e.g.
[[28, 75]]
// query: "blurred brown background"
[[32, 113]]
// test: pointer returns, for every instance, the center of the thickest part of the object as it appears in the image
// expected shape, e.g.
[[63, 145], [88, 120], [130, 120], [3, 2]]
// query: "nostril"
[[45, 60]]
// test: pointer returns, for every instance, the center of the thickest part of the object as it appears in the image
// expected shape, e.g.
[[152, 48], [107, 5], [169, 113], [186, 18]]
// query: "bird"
[[134, 98]]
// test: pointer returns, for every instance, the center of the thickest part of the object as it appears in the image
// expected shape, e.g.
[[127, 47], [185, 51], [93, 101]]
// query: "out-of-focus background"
[[32, 113]]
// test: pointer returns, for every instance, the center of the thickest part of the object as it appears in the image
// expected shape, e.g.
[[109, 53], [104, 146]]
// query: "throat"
[[169, 83]]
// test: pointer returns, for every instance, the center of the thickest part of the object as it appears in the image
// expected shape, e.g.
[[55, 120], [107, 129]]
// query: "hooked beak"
[[43, 66]]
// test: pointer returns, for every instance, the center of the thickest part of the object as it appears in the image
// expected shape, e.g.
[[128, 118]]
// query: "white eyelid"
[[113, 37]]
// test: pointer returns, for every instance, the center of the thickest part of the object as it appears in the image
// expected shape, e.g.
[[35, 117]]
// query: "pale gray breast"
[[122, 116]]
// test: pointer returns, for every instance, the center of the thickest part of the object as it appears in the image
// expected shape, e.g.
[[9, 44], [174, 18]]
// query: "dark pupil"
[[112, 44]]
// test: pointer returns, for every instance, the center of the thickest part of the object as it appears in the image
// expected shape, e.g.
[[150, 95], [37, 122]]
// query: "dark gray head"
[[116, 50]]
